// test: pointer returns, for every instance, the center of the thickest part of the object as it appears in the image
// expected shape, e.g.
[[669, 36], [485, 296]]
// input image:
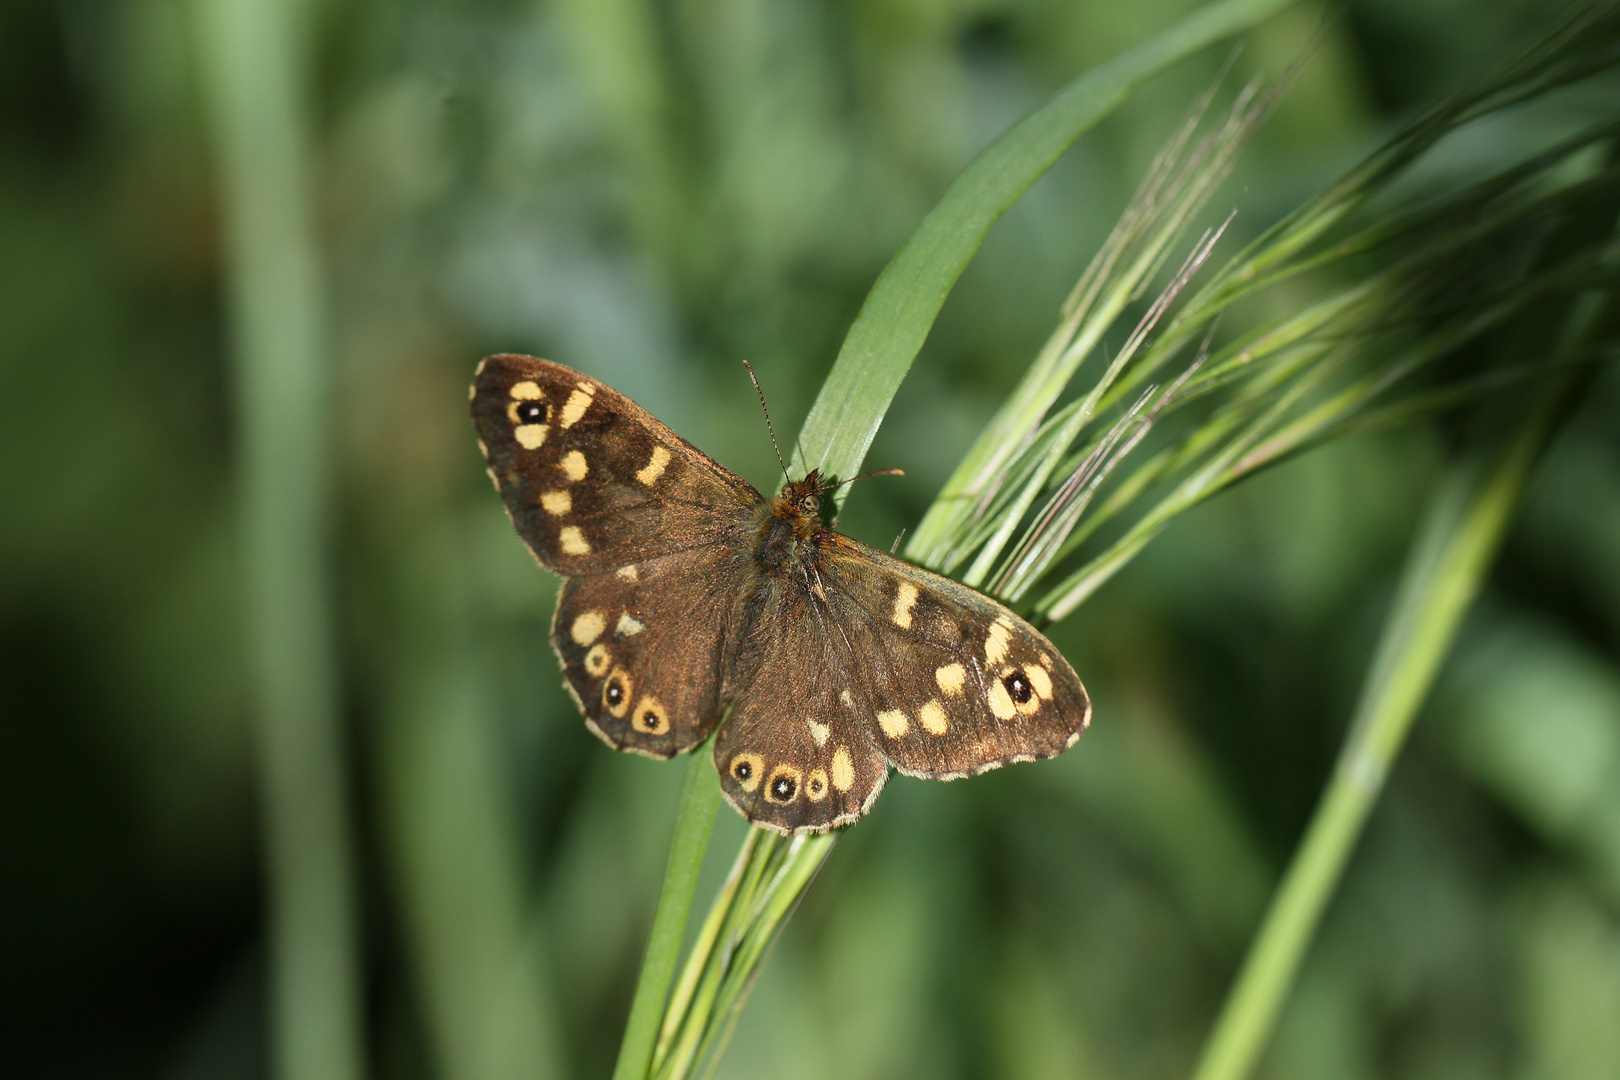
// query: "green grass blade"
[[898, 312], [254, 68], [694, 820], [702, 952], [1466, 523]]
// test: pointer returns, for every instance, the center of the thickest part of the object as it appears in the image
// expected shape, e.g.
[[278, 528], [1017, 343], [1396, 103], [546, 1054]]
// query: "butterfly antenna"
[[863, 476], [768, 427]]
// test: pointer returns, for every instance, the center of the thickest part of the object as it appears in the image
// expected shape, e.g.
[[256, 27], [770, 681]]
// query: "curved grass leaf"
[[899, 311]]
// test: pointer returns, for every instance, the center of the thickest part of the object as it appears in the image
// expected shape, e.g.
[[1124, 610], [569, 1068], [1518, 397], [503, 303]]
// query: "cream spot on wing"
[[573, 466], [557, 503], [950, 678], [628, 573], [1001, 702], [655, 467], [893, 722], [598, 660], [628, 626], [526, 390], [1046, 661], [587, 627], [995, 644], [932, 717], [843, 770], [1040, 680], [904, 599], [530, 436], [818, 732], [575, 406], [846, 698], [573, 541]]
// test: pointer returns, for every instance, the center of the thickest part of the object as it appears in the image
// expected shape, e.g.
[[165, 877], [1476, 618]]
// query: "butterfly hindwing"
[[643, 648], [593, 481], [950, 682], [793, 754]]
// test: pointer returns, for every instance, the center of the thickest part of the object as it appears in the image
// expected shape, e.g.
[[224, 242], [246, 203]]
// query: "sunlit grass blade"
[[1181, 180], [902, 305]]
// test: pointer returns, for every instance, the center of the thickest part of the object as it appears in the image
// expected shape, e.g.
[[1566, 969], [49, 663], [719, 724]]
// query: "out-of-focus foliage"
[[650, 193]]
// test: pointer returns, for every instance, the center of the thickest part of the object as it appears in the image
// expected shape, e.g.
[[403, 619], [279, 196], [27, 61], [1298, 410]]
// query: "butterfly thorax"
[[793, 518]]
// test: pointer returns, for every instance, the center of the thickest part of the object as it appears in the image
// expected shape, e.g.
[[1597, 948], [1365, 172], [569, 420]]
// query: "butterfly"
[[694, 602]]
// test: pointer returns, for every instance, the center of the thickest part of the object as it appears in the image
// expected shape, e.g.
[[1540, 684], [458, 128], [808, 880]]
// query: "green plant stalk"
[[694, 820], [805, 857], [768, 878], [253, 69], [706, 966], [1466, 522], [703, 948]]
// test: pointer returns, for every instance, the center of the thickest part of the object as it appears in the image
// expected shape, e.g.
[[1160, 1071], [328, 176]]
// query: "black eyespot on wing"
[[530, 412], [783, 788], [746, 769], [1018, 686], [614, 694]]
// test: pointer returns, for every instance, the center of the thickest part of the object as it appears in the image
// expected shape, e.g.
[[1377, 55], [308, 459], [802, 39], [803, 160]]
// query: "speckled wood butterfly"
[[691, 599]]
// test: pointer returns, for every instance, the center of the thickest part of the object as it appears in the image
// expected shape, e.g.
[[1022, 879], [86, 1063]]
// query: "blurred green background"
[[651, 193]]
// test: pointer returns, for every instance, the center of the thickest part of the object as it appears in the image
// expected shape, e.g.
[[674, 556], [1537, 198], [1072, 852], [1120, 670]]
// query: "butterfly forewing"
[[950, 682], [592, 480]]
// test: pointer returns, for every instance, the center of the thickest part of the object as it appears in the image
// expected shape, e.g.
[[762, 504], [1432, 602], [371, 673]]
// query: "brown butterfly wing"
[[949, 682], [647, 528], [643, 648], [793, 754], [869, 661], [591, 480]]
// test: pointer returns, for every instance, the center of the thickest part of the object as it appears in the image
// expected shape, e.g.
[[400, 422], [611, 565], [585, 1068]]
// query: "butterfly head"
[[799, 503]]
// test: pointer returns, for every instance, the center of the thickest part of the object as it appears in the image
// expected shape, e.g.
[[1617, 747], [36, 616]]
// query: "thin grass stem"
[[694, 820]]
